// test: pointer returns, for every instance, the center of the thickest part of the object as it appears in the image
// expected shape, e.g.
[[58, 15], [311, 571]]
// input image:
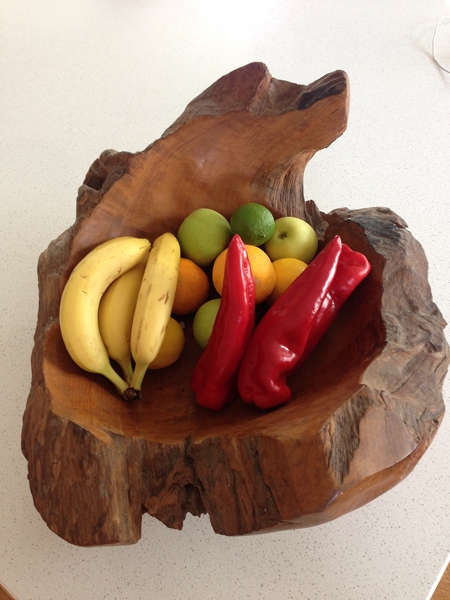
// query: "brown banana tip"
[[130, 394]]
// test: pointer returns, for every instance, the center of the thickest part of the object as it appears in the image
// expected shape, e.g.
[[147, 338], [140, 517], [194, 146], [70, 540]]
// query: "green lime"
[[204, 321], [254, 223]]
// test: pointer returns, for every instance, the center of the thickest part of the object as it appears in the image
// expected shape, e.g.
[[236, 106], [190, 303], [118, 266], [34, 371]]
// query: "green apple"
[[204, 321], [203, 235], [292, 238]]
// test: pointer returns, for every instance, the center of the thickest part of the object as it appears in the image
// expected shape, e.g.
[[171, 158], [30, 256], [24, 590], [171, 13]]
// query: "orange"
[[192, 288], [286, 271], [262, 270], [171, 347]]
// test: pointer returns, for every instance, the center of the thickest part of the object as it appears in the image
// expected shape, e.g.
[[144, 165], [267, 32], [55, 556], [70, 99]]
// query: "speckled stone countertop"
[[78, 78]]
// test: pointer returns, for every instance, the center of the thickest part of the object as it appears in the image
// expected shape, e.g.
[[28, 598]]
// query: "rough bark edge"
[[429, 347]]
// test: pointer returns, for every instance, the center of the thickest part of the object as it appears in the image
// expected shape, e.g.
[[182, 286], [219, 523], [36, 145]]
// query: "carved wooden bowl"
[[365, 405]]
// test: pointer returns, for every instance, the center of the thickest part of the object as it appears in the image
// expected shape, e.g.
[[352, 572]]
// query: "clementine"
[[192, 288], [171, 347], [262, 270], [286, 271]]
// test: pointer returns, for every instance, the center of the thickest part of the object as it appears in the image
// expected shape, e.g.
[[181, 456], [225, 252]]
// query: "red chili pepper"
[[214, 379], [294, 324]]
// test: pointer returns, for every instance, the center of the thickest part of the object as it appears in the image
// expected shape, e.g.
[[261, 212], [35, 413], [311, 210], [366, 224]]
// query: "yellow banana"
[[115, 316], [153, 307], [78, 315]]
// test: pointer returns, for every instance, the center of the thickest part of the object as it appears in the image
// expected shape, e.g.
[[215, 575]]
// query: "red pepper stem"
[[214, 379]]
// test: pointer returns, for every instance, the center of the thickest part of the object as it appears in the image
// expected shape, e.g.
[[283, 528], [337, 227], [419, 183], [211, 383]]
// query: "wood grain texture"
[[366, 404]]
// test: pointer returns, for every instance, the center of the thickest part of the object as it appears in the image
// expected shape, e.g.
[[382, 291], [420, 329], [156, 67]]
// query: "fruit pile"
[[123, 302], [278, 251]]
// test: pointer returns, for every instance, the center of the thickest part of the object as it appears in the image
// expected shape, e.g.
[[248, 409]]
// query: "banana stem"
[[134, 391], [140, 369], [121, 384], [127, 369]]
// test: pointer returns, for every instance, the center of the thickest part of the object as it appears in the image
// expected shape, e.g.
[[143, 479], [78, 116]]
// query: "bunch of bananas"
[[116, 305]]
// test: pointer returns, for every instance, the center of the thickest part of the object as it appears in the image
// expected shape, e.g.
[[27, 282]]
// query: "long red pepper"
[[295, 323], [214, 379], [351, 269]]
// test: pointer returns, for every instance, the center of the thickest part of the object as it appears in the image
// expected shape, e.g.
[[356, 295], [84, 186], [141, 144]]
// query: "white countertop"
[[77, 78]]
